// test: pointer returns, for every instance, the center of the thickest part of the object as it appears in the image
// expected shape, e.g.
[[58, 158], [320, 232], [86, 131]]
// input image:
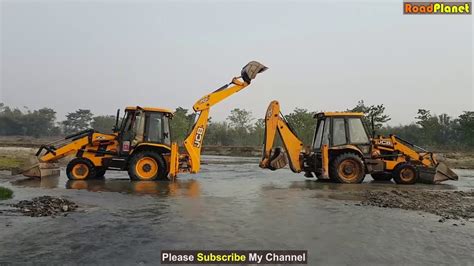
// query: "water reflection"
[[189, 188], [47, 182]]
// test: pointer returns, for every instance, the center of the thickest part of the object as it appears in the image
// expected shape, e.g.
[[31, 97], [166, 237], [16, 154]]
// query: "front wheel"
[[146, 166], [347, 168], [80, 169], [405, 174]]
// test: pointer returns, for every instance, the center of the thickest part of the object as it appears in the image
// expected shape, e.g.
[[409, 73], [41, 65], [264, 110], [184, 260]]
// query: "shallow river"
[[230, 204]]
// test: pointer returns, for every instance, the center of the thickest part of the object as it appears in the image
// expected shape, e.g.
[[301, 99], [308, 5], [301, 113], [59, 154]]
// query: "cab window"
[[166, 130], [319, 134], [154, 127], [357, 131], [326, 132], [338, 132], [128, 126]]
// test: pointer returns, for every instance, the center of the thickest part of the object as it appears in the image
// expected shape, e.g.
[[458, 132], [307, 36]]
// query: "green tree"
[[466, 128], [429, 126], [241, 123], [40, 123], [32, 123], [257, 132], [219, 133], [240, 118], [375, 113], [303, 123], [77, 121], [10, 121], [103, 123], [181, 124]]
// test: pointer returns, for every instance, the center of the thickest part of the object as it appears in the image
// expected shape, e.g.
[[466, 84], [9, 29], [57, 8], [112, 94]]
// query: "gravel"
[[447, 204], [45, 206]]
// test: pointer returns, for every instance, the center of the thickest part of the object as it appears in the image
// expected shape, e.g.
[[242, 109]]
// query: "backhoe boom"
[[274, 159], [191, 161]]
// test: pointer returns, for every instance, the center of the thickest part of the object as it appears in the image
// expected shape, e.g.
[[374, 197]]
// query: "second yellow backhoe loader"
[[141, 144], [343, 151]]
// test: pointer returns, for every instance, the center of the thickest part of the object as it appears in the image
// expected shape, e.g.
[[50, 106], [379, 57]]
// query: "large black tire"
[[100, 172], [405, 174], [146, 166], [80, 169], [347, 168], [382, 176]]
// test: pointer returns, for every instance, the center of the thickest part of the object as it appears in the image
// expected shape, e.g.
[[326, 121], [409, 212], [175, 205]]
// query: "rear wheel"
[[147, 165], [405, 174], [347, 168], [80, 169], [382, 176]]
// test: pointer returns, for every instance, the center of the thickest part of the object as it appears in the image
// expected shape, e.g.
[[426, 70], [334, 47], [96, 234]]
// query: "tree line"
[[242, 129], [43, 123]]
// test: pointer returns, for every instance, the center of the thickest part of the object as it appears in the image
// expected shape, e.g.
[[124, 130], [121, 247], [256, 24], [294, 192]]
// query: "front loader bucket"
[[42, 170], [437, 175], [443, 172], [38, 169]]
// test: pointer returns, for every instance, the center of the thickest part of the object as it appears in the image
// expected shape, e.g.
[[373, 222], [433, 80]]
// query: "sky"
[[322, 55]]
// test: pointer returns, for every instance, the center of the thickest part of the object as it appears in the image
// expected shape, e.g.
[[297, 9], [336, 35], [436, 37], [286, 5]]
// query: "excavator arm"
[[273, 158], [191, 161]]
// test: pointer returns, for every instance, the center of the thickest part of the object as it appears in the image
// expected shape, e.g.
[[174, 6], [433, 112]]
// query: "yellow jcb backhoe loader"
[[343, 151], [141, 144]]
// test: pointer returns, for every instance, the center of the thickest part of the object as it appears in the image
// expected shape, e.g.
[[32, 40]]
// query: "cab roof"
[[149, 109], [324, 114]]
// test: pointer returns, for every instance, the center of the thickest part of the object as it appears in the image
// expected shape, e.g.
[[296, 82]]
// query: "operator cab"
[[144, 125], [339, 129]]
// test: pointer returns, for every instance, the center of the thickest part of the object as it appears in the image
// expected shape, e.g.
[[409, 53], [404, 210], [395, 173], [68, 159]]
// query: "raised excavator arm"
[[273, 158], [191, 161]]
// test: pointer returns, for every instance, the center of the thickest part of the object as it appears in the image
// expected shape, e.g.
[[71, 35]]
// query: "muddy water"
[[231, 204]]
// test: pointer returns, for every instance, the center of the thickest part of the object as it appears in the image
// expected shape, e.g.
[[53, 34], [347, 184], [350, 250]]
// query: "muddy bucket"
[[251, 70], [38, 169], [276, 161], [436, 175]]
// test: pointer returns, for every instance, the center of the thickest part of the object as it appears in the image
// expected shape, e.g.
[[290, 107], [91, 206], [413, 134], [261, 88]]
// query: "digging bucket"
[[38, 169]]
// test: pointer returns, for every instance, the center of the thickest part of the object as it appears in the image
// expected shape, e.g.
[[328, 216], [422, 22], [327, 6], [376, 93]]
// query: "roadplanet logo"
[[437, 8]]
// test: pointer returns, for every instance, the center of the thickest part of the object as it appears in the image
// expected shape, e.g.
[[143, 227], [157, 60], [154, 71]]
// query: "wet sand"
[[231, 204]]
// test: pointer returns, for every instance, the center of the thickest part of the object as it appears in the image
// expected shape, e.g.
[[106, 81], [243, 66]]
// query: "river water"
[[230, 204]]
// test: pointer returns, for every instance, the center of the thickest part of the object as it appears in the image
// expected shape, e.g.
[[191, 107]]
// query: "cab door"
[[157, 129], [131, 132]]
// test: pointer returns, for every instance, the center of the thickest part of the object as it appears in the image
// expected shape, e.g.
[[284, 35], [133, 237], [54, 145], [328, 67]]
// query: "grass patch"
[[5, 193], [8, 163]]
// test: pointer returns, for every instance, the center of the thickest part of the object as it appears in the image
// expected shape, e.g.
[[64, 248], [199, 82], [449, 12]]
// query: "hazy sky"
[[324, 55]]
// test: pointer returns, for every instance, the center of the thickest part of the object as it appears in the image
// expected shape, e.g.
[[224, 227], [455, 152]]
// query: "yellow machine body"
[[141, 143], [343, 151]]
